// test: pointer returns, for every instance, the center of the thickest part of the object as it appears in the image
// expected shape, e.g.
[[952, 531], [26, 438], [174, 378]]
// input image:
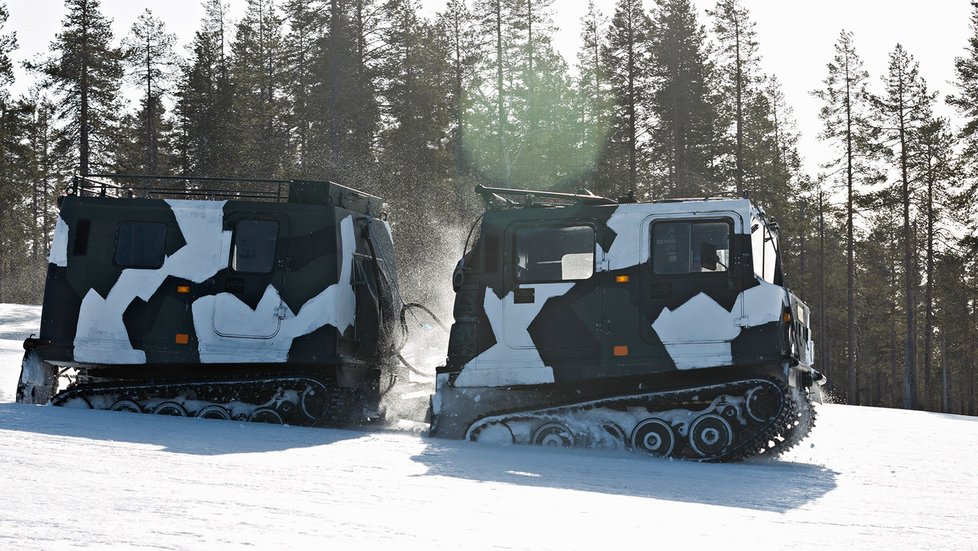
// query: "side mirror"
[[708, 256]]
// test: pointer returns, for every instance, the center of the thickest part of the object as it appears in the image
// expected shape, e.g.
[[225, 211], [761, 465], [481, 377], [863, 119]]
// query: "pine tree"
[[627, 59], [416, 75], [966, 100], [345, 114], [12, 218], [464, 56], [739, 72], [85, 71], [936, 162], [260, 108], [904, 108], [305, 21], [205, 100], [593, 95], [684, 136], [148, 52], [846, 116]]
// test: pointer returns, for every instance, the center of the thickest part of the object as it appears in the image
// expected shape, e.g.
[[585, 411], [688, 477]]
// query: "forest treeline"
[[660, 102]]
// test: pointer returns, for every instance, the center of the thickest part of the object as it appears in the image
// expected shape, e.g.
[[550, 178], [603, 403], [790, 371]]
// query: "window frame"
[[551, 225], [234, 245], [730, 242], [115, 246]]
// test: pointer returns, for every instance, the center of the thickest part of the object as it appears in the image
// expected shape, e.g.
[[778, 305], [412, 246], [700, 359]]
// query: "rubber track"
[[257, 392], [758, 443], [799, 423]]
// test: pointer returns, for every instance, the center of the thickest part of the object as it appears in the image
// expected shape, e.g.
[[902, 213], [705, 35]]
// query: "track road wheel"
[[654, 437], [763, 404], [214, 412], [170, 408], [613, 437], [496, 433], [127, 406], [554, 435], [710, 435], [314, 403], [266, 415]]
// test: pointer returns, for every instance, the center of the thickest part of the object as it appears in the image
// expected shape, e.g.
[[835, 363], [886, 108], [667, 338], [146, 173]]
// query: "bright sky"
[[796, 42]]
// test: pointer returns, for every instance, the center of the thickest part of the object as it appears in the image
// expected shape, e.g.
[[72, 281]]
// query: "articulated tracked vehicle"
[[258, 300], [579, 321]]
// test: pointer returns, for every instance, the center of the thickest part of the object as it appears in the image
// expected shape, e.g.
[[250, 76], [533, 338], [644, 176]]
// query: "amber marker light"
[[786, 317], [622, 279], [182, 338], [183, 289], [621, 350]]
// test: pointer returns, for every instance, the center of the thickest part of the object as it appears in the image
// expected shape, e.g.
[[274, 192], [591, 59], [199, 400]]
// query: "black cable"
[[424, 309], [413, 369], [465, 247]]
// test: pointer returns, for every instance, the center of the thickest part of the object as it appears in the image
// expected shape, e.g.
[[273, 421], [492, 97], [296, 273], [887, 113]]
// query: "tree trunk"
[[83, 146], [739, 78], [910, 342], [850, 254], [929, 290]]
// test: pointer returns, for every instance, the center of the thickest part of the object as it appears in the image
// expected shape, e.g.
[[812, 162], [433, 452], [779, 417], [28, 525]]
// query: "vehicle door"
[[248, 303], [689, 288], [555, 307]]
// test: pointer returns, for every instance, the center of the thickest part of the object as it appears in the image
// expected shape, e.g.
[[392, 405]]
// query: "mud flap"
[[38, 379]]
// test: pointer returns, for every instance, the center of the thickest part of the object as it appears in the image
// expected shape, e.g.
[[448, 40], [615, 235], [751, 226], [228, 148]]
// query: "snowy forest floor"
[[866, 479]]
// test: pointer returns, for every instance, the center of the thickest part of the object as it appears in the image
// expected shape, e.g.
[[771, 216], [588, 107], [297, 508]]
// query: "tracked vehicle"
[[662, 327], [579, 320], [270, 301]]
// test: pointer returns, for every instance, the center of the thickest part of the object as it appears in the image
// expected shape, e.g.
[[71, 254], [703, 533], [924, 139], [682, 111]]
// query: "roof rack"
[[194, 187], [309, 192], [503, 195]]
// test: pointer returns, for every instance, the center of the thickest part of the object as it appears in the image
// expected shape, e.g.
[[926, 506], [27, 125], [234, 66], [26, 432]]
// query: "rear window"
[[254, 246], [140, 245]]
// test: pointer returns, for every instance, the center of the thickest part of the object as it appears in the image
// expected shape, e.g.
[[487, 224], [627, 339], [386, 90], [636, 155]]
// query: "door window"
[[553, 254], [690, 247], [254, 246]]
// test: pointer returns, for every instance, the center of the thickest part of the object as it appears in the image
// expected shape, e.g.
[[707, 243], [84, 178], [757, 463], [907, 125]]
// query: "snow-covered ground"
[[866, 479]]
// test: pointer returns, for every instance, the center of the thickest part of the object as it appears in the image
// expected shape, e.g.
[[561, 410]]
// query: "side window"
[[140, 245], [763, 250], [690, 247], [548, 254], [254, 246]]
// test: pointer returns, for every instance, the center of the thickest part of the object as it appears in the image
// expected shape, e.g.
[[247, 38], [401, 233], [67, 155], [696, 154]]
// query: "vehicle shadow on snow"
[[760, 484], [177, 435]]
